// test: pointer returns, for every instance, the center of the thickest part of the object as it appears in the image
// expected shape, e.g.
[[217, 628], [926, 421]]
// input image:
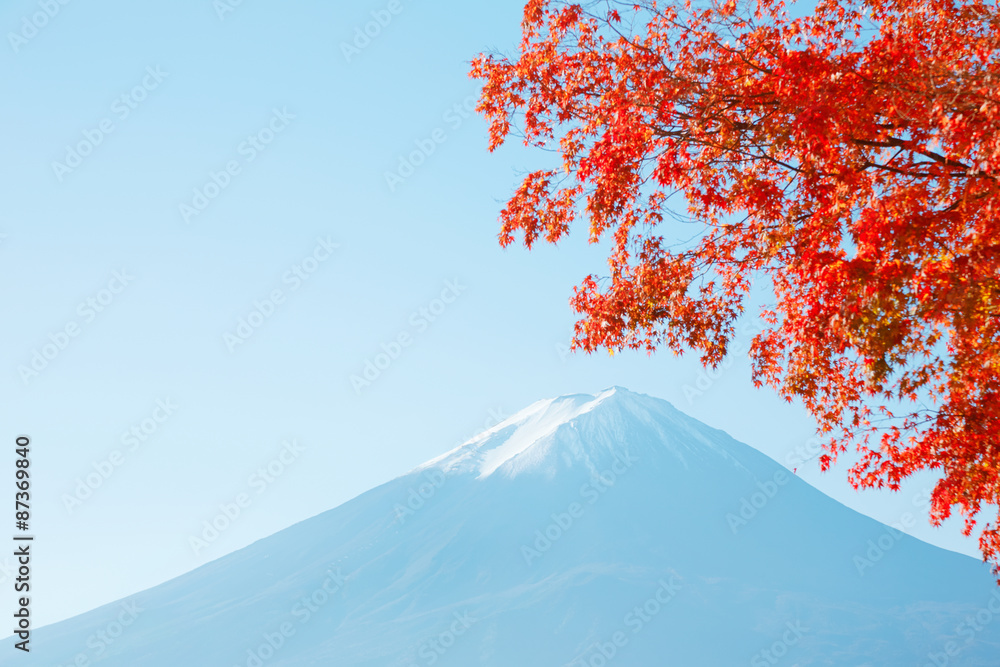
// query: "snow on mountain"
[[532, 439], [585, 531]]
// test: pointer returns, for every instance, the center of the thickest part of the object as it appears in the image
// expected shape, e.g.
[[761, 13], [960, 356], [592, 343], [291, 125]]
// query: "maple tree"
[[847, 158]]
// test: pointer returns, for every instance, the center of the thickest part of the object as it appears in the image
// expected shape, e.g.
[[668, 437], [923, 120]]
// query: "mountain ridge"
[[547, 531]]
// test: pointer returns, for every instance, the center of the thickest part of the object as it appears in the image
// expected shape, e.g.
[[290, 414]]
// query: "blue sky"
[[121, 121]]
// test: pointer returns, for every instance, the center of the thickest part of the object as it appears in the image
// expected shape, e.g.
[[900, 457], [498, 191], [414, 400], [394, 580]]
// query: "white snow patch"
[[486, 452]]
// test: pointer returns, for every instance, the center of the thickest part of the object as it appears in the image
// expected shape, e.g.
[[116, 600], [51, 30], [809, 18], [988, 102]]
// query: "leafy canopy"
[[848, 158]]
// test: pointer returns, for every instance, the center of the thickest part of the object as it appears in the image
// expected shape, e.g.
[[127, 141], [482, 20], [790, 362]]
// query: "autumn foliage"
[[846, 160]]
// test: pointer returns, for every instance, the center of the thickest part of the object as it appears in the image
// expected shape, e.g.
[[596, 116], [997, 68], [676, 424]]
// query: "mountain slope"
[[584, 530]]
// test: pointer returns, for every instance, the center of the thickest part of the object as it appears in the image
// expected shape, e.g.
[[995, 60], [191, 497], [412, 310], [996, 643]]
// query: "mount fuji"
[[584, 531]]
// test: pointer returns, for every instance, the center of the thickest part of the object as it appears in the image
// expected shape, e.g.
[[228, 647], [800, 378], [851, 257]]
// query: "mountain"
[[584, 531]]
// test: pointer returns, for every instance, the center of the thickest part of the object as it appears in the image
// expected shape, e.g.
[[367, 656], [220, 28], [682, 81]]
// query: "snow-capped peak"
[[530, 544], [527, 439], [492, 448]]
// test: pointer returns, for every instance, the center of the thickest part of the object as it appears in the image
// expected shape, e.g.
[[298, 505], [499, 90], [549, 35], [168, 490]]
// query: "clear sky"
[[212, 220]]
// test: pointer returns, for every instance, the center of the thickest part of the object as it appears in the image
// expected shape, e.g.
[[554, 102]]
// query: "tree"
[[848, 158]]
